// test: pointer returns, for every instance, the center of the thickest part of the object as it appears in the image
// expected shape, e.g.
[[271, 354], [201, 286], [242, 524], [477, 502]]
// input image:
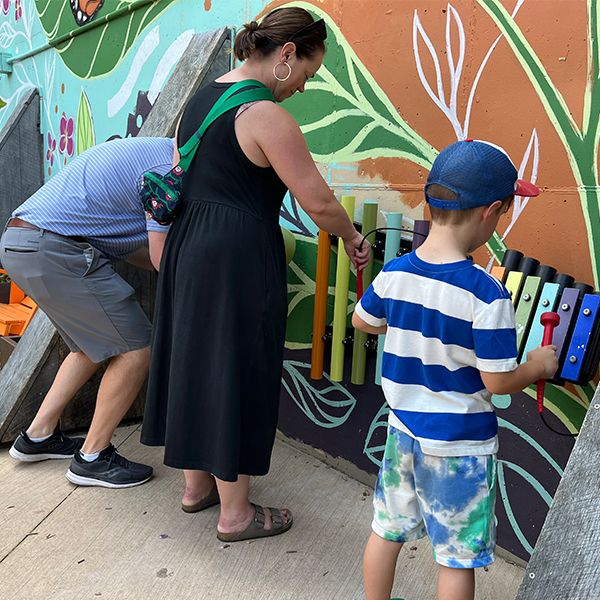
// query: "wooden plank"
[[21, 154], [193, 67], [137, 543], [23, 366], [564, 563]]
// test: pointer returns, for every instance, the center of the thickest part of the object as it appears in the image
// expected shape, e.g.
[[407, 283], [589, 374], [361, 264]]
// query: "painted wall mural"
[[399, 82]]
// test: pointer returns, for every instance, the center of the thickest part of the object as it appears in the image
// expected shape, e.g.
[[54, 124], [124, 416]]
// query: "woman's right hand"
[[358, 250]]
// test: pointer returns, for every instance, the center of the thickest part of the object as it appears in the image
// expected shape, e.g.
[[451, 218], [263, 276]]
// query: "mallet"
[[549, 320]]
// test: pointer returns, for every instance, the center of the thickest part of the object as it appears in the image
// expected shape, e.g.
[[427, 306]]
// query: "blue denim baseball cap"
[[478, 173]]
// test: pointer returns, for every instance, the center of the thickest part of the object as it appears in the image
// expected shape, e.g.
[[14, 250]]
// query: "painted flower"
[[5, 6], [51, 150], [18, 10], [66, 135]]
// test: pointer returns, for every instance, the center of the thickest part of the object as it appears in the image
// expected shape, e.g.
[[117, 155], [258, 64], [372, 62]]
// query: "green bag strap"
[[226, 102], [238, 85]]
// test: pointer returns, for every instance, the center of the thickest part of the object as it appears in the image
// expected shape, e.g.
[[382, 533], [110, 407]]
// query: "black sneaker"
[[58, 445], [109, 470]]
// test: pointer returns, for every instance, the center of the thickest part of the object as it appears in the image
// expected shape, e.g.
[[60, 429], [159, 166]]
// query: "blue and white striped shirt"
[[446, 323], [96, 195]]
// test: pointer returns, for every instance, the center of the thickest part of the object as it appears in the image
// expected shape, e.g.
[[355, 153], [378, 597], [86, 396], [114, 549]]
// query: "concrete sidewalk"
[[59, 541]]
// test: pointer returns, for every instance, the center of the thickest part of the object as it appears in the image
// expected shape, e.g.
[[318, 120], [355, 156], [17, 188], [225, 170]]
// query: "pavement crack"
[[33, 530]]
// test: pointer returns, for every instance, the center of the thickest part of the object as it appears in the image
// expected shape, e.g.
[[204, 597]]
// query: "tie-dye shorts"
[[448, 498]]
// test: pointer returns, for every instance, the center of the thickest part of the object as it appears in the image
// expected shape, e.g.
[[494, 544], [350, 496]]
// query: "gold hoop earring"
[[287, 76]]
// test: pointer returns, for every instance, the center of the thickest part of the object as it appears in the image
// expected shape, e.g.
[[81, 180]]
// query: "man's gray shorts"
[[93, 308]]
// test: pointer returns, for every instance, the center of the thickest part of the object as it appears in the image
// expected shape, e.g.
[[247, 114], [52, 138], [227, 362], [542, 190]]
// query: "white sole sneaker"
[[14, 453], [90, 481]]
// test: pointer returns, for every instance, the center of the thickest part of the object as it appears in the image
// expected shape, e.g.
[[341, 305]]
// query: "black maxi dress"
[[221, 307]]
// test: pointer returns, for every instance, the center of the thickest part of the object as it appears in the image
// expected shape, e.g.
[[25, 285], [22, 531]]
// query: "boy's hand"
[[547, 359]]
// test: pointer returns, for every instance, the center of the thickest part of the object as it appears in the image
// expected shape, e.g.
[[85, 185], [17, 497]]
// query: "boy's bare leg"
[[74, 371], [456, 584], [379, 567]]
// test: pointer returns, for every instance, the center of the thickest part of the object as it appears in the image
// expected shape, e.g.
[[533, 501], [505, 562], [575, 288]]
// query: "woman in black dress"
[[219, 326]]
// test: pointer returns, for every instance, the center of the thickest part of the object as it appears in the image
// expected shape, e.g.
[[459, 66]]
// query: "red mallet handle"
[[549, 320], [359, 284]]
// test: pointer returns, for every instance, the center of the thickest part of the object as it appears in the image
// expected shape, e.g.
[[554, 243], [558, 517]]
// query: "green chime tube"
[[359, 351], [340, 306], [392, 245]]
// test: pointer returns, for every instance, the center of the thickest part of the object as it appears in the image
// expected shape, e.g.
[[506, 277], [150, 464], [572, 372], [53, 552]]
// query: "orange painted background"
[[505, 110]]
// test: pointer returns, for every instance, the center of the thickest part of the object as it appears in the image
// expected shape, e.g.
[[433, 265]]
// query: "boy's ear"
[[491, 211]]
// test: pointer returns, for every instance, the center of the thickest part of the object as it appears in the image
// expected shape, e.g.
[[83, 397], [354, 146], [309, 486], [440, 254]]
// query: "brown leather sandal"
[[256, 529], [204, 503]]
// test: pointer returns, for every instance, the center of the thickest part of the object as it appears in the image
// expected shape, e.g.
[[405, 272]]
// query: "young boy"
[[450, 345]]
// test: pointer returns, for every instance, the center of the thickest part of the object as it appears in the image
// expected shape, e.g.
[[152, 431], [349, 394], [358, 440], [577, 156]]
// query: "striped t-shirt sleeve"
[[371, 308], [494, 336]]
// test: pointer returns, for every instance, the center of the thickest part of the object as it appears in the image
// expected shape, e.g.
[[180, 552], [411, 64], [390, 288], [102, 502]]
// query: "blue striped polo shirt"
[[446, 323], [96, 195]]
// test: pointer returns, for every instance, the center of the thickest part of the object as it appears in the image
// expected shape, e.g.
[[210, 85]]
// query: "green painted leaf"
[[327, 407], [377, 435], [2, 104], [323, 142], [85, 125], [344, 105], [319, 107], [496, 246], [99, 50]]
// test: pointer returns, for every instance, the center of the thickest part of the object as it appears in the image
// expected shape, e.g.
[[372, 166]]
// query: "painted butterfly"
[[85, 10]]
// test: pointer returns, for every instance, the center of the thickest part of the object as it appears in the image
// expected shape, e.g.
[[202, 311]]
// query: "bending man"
[[58, 246]]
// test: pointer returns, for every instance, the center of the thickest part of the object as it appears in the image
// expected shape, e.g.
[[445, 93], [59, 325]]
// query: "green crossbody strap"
[[226, 102], [191, 143]]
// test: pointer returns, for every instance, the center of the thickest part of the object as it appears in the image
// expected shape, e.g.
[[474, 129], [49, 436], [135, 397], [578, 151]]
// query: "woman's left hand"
[[358, 250]]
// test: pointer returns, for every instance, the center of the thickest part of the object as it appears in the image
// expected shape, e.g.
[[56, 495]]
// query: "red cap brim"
[[526, 188]]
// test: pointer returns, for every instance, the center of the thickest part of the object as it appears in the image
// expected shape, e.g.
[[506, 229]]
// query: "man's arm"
[[148, 257], [156, 244]]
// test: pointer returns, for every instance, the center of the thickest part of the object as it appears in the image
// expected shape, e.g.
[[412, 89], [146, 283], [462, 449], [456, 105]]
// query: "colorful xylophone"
[[535, 289]]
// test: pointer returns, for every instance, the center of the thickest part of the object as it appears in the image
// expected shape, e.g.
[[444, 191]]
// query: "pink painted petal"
[[63, 124], [70, 127], [62, 144], [70, 146]]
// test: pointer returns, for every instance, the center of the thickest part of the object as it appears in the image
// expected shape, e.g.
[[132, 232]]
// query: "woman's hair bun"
[[275, 29]]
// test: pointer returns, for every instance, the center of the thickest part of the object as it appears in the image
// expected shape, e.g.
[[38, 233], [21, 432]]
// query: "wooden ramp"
[[564, 563], [63, 542], [31, 367], [21, 154]]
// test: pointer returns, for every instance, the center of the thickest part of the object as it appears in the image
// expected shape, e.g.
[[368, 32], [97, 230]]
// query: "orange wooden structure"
[[15, 316]]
